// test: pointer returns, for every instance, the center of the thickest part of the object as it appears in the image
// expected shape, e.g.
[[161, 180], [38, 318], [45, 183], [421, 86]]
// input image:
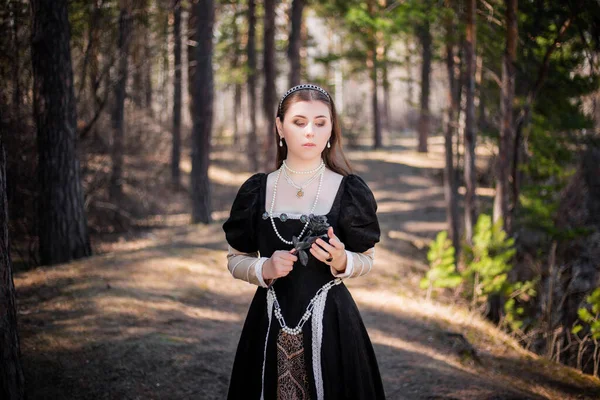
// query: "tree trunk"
[[253, 147], [524, 115], [501, 200], [469, 172], [424, 118], [201, 86], [116, 184], [295, 41], [176, 148], [409, 75], [148, 74], [94, 75], [269, 88], [63, 232], [16, 70], [237, 87], [237, 111], [372, 67], [12, 381], [450, 187], [386, 90]]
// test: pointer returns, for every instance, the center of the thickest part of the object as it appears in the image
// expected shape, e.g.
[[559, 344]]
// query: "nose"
[[309, 132]]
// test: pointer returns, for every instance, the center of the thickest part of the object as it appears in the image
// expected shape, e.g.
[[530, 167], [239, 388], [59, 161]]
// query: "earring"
[[280, 142], [328, 145]]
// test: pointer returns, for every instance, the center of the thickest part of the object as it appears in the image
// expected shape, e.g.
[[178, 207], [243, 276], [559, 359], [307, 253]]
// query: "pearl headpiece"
[[301, 87]]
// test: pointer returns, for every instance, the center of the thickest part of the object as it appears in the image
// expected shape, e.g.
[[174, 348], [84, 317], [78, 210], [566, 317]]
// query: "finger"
[[333, 239], [330, 232], [284, 270], [317, 255], [293, 251], [288, 256], [322, 253], [326, 246]]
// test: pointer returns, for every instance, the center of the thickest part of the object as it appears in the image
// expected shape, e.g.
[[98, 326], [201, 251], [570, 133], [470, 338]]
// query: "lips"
[[309, 145]]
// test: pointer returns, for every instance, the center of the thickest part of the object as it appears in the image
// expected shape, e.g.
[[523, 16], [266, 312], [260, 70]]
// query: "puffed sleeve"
[[359, 227], [240, 226]]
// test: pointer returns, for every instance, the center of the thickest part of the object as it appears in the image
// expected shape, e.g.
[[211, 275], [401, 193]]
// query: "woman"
[[303, 337]]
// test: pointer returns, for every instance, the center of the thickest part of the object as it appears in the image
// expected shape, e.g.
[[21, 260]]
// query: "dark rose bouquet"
[[317, 228]]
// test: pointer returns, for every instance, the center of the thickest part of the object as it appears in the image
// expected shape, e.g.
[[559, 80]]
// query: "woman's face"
[[306, 128]]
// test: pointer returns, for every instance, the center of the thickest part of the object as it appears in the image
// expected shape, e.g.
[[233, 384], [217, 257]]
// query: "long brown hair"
[[333, 157]]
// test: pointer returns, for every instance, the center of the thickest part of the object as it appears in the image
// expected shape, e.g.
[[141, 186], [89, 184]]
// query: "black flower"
[[317, 228]]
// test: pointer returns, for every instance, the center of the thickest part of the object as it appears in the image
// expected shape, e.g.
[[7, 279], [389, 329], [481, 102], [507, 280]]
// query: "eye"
[[299, 123], [321, 124]]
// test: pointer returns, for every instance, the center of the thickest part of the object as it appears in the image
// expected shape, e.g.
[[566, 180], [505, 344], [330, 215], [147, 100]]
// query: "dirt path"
[[159, 317]]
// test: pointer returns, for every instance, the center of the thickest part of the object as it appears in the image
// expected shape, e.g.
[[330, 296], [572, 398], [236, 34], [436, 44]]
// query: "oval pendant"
[[283, 217], [303, 218], [265, 215], [300, 193]]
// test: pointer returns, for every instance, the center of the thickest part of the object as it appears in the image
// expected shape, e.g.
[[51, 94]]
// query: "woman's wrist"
[[266, 274], [340, 265]]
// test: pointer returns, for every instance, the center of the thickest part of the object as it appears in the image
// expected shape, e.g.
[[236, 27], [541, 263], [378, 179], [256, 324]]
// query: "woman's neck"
[[302, 165]]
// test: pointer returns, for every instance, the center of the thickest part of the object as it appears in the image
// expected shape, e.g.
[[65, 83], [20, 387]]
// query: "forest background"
[[127, 126]]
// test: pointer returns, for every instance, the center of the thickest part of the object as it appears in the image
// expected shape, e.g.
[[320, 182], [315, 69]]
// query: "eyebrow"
[[318, 116]]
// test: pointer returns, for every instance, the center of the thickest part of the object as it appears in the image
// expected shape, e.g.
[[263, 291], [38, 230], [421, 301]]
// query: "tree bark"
[[177, 95], [237, 87], [507, 135], [12, 381], [63, 232], [386, 90], [450, 187], [424, 118], [252, 146], [372, 67], [269, 95], [118, 117], [16, 70], [148, 92], [469, 172], [295, 41], [201, 86], [409, 75]]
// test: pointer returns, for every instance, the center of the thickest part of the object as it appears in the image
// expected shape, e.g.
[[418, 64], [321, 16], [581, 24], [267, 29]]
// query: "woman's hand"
[[322, 251], [279, 265]]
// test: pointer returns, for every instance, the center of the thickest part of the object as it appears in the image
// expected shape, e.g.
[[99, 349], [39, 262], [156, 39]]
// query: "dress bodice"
[[352, 216]]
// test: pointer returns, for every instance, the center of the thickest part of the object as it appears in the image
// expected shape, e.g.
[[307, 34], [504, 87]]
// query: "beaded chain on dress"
[[292, 378]]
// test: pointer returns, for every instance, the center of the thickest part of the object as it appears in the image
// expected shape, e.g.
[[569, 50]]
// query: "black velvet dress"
[[348, 363]]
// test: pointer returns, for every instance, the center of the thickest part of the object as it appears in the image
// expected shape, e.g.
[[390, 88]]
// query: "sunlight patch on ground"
[[406, 157], [479, 191], [396, 206], [380, 337], [449, 315], [152, 309], [424, 226], [419, 242], [223, 176]]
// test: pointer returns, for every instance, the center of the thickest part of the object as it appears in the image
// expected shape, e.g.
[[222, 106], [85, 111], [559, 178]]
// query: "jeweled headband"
[[300, 87]]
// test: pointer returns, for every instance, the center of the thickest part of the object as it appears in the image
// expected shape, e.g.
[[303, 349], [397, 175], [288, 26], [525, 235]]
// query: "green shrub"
[[442, 272]]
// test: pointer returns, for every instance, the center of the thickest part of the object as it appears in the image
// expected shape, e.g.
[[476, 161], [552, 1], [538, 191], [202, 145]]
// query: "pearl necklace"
[[300, 188], [312, 171], [321, 173]]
